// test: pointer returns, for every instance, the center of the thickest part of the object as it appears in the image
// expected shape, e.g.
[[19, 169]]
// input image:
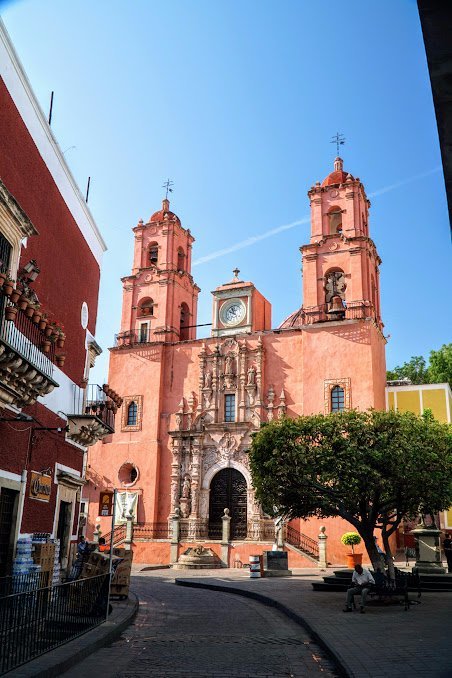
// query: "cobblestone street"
[[181, 632]]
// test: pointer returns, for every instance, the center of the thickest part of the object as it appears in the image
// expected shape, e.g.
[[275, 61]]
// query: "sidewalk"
[[385, 642]]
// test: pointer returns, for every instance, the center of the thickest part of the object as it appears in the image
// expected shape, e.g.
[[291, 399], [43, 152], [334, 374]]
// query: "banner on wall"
[[126, 502]]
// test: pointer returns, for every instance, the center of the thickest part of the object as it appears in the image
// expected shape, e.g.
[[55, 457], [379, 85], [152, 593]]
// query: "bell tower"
[[160, 297], [341, 263]]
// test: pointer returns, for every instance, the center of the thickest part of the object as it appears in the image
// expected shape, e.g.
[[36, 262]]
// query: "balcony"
[[142, 335], [26, 358], [355, 310], [93, 414]]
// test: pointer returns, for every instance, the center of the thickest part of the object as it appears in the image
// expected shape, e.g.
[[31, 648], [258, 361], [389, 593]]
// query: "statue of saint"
[[251, 376], [208, 380], [186, 487]]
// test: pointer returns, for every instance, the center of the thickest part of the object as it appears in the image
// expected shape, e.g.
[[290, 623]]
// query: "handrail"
[[302, 542]]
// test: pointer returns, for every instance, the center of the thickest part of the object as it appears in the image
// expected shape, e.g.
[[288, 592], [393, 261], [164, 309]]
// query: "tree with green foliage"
[[438, 371], [440, 368], [415, 370], [371, 468]]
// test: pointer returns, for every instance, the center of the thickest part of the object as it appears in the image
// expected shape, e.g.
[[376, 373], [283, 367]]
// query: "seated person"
[[102, 545], [361, 583]]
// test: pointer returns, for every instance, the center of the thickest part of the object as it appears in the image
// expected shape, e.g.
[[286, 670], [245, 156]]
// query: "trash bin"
[[255, 567]]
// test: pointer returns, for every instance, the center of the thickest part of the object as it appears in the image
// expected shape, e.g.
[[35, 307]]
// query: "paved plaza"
[[183, 631]]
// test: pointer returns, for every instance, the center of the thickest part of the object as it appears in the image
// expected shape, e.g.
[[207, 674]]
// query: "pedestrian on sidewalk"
[[361, 583]]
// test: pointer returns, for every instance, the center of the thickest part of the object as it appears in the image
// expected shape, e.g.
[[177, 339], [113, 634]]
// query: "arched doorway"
[[228, 490]]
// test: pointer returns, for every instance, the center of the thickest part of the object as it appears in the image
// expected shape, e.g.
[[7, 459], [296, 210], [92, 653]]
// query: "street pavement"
[[193, 632], [186, 632]]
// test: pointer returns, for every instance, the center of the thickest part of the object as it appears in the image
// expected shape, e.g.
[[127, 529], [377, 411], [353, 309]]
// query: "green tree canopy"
[[370, 468], [439, 369]]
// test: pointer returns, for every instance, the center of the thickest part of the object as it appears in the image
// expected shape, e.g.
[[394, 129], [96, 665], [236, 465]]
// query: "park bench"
[[391, 590]]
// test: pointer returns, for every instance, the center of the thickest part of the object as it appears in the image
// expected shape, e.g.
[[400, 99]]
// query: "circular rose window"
[[128, 474]]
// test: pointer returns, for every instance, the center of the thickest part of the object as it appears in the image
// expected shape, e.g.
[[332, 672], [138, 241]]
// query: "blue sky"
[[237, 102]]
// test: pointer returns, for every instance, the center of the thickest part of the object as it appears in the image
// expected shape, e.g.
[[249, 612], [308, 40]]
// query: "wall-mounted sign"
[[106, 504], [40, 486]]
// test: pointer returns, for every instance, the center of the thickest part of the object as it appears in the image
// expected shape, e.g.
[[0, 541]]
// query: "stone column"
[[175, 474], [174, 548], [226, 533], [428, 556], [323, 561], [129, 532]]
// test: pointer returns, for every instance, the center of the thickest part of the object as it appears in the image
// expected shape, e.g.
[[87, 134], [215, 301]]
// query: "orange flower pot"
[[354, 559]]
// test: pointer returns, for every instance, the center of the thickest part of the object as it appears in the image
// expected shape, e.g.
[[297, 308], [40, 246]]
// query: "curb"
[[57, 661], [341, 668]]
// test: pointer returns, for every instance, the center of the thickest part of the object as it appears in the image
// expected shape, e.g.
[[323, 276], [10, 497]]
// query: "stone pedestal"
[[276, 564], [428, 556]]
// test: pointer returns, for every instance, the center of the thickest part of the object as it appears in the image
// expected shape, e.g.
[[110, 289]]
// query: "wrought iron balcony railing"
[[93, 415], [26, 358], [25, 337], [141, 335]]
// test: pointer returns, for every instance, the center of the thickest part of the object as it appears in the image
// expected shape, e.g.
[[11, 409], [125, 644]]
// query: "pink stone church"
[[190, 405]]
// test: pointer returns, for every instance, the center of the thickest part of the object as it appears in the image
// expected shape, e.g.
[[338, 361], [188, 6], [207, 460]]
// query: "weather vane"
[[339, 140], [168, 184]]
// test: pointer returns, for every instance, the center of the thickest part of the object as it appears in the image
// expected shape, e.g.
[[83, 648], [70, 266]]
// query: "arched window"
[[337, 399], [146, 307], [132, 413], [335, 218], [153, 253], [184, 322], [335, 285], [180, 259]]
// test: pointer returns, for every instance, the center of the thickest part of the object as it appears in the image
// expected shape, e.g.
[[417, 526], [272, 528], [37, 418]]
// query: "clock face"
[[232, 313]]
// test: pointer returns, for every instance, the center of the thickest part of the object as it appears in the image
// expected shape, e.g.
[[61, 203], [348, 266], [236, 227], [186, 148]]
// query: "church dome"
[[338, 176], [164, 213], [295, 319]]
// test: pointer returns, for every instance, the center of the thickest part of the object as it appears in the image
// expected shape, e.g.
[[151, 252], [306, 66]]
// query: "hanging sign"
[[106, 504], [40, 486]]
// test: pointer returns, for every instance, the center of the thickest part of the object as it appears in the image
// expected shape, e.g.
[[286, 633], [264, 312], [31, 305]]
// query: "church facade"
[[190, 405]]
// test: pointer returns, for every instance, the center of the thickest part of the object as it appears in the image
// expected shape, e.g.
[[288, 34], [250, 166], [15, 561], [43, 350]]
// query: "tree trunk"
[[369, 543], [387, 549]]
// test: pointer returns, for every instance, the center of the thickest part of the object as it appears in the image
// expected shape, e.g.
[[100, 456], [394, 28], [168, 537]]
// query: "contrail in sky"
[[304, 220]]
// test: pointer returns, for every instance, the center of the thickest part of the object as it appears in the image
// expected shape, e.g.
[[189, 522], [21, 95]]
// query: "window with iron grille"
[[132, 413], [337, 399], [229, 407]]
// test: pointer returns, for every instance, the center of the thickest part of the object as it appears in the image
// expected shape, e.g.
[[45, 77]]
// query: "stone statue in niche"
[[186, 487], [251, 376], [208, 380]]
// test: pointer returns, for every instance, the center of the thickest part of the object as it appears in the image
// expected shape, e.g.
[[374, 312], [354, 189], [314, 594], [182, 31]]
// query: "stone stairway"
[[342, 579]]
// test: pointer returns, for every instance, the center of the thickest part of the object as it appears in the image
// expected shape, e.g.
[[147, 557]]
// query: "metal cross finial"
[[339, 140], [168, 184], [236, 272]]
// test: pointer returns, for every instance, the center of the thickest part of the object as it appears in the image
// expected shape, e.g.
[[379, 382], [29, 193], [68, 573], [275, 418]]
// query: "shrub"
[[351, 539]]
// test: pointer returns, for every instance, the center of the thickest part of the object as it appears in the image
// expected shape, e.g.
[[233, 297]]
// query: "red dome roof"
[[164, 213], [159, 216], [338, 176]]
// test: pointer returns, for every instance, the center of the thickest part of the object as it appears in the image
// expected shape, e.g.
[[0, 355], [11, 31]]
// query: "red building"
[[50, 257]]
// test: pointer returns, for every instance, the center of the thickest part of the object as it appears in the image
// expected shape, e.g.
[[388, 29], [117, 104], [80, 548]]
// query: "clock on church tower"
[[239, 308]]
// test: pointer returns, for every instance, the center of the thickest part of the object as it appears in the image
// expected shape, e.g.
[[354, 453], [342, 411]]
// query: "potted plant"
[[46, 345], [8, 285], [352, 539], [37, 313], [2, 277], [11, 312], [23, 302], [61, 336], [15, 295], [42, 322], [59, 359], [30, 311]]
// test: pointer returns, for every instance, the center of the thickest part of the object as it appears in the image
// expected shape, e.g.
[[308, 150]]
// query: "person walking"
[[361, 583]]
